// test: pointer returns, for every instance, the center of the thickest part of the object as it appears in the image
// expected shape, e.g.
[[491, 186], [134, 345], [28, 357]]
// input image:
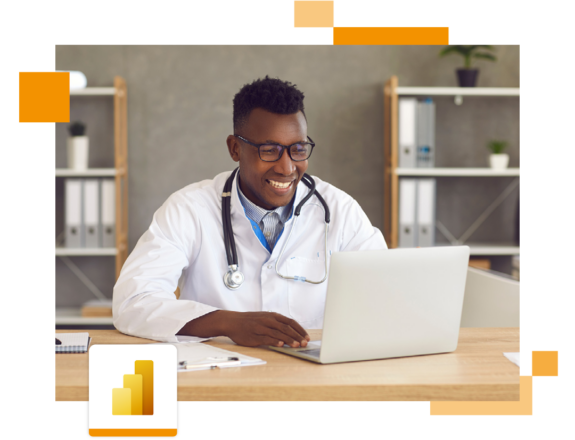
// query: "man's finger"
[[287, 330], [293, 324], [283, 337]]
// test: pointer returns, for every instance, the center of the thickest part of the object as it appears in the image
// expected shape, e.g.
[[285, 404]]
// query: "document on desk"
[[513, 357], [194, 353]]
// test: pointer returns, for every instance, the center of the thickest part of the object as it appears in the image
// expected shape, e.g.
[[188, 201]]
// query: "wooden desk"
[[477, 370]]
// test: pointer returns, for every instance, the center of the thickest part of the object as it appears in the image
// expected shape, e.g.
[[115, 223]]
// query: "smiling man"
[[274, 290]]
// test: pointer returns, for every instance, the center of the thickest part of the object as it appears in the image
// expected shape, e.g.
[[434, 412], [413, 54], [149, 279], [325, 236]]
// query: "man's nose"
[[285, 165]]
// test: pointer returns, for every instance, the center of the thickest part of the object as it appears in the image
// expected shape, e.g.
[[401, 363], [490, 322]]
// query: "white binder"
[[91, 225], [425, 212], [407, 114], [73, 214], [108, 190], [407, 204]]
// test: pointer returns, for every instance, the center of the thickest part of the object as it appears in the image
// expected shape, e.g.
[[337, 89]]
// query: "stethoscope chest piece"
[[233, 278]]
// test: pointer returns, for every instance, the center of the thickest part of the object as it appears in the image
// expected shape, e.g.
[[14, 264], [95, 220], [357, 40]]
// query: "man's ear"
[[233, 148]]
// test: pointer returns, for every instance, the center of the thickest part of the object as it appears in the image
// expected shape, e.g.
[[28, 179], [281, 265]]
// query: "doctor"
[[184, 246]]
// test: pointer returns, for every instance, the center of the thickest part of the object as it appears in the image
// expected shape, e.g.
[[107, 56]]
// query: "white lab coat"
[[184, 247]]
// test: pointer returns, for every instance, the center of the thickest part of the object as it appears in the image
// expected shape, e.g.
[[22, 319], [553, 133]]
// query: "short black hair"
[[271, 94]]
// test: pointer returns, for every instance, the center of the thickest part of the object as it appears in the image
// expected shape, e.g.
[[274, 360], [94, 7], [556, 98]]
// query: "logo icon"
[[133, 380], [136, 398]]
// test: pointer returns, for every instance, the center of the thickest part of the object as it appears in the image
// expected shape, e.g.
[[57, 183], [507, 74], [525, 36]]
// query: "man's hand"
[[249, 328], [264, 328]]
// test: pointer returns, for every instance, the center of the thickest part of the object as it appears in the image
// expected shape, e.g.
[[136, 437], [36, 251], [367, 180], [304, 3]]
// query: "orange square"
[[44, 97], [545, 363], [313, 14]]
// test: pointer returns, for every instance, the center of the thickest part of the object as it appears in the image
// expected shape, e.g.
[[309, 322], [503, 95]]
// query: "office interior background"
[[180, 113]]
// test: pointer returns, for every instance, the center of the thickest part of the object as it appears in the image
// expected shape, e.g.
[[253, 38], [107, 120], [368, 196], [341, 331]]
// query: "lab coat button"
[[270, 266]]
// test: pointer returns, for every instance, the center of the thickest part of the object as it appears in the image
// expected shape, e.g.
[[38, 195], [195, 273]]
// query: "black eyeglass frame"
[[284, 147]]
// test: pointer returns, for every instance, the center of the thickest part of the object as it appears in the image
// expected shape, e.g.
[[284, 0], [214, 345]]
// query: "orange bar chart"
[[146, 369]]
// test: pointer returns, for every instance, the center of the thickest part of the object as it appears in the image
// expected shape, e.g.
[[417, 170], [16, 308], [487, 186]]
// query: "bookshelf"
[[72, 316], [392, 172]]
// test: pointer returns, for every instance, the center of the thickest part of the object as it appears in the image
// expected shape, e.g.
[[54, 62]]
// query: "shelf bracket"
[[84, 279], [477, 223]]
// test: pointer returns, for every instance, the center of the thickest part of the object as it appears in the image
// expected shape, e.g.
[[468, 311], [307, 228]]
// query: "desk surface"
[[477, 370]]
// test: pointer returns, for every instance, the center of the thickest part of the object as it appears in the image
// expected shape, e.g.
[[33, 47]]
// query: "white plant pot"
[[78, 147], [499, 161]]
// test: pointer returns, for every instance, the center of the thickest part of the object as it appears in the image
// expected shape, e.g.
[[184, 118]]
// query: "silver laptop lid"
[[391, 303]]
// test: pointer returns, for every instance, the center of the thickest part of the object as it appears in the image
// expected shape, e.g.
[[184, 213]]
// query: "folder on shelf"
[[407, 205], [425, 212], [425, 134], [407, 114], [91, 225], [108, 191], [73, 214]]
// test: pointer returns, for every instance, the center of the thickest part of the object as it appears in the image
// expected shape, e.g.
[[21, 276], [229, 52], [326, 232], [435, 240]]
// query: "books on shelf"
[[416, 212], [416, 133], [90, 210]]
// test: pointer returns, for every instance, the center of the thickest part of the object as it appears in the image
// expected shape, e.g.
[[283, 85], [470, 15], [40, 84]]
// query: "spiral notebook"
[[73, 342]]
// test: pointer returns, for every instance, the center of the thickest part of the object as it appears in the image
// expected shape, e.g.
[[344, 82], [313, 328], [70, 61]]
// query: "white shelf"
[[73, 316], [458, 91], [489, 249], [94, 91], [456, 172], [90, 172], [85, 252]]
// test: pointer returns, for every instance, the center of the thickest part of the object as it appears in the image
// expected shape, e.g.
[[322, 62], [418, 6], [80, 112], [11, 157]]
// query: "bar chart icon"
[[136, 398]]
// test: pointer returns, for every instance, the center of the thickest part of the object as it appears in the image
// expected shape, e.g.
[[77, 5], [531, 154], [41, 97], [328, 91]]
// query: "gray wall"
[[180, 112]]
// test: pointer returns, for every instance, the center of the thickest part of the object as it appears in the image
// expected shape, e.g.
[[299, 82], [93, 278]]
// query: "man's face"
[[260, 181]]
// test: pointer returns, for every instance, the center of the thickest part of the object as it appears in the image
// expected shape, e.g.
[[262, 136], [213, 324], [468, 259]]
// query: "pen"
[[58, 342], [212, 363]]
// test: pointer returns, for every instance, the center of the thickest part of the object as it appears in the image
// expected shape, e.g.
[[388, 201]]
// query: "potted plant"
[[467, 77], [497, 159]]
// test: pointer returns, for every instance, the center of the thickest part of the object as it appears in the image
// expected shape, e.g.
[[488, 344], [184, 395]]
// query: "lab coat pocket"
[[306, 301]]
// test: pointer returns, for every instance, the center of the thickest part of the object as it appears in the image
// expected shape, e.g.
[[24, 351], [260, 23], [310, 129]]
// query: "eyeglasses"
[[273, 152]]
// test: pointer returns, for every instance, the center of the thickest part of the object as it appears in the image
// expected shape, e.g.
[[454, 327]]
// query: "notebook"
[[73, 342]]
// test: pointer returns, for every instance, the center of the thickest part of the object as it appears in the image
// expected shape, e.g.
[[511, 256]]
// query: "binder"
[[108, 191], [425, 212], [407, 204], [91, 225], [407, 114], [425, 134], [73, 213]]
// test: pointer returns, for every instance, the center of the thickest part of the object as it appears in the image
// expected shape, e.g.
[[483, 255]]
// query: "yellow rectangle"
[[134, 382], [44, 97], [146, 369], [121, 401], [313, 14], [545, 363], [390, 35]]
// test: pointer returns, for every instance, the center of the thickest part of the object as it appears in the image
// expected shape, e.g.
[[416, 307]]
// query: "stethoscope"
[[233, 278]]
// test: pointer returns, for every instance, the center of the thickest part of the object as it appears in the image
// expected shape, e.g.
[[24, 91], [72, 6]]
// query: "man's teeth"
[[279, 184]]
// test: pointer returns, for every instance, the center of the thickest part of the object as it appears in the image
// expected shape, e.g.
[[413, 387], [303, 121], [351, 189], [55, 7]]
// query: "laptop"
[[390, 303]]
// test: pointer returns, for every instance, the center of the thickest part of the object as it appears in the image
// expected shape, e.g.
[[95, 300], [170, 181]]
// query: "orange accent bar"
[[390, 35], [524, 407], [44, 97], [133, 432], [146, 369], [545, 363]]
